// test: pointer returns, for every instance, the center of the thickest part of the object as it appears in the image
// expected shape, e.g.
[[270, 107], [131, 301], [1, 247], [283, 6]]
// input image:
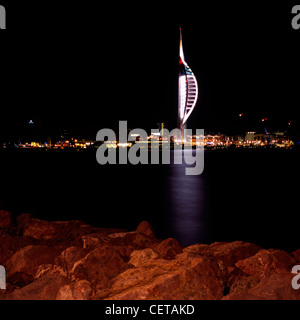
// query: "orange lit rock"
[[229, 253], [45, 288], [168, 248], [80, 290], [266, 262], [186, 277], [5, 219], [99, 267], [145, 228], [141, 257], [274, 287], [22, 266]]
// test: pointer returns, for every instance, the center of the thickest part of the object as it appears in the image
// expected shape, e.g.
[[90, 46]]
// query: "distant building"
[[250, 137]]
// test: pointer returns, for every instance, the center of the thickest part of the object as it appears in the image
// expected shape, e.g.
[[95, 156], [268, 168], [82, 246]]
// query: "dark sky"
[[85, 66]]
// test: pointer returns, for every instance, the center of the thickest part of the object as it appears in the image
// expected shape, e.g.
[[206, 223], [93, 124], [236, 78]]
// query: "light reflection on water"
[[188, 199]]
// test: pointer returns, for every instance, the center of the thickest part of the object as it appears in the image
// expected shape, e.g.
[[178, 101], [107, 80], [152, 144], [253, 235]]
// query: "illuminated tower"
[[187, 90]]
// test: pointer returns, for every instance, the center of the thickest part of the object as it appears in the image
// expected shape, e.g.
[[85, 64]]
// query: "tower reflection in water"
[[188, 205]]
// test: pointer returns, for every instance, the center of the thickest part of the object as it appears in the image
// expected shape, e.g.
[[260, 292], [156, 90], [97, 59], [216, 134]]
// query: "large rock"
[[142, 257], [80, 290], [58, 230], [49, 269], [145, 228], [45, 288], [168, 248], [229, 253], [99, 267], [296, 256], [93, 240], [6, 220], [134, 239], [23, 219], [22, 266], [275, 287], [69, 256], [241, 282], [266, 262], [187, 277], [10, 244]]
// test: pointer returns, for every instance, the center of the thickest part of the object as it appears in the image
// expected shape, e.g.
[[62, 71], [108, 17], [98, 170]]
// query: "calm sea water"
[[250, 195]]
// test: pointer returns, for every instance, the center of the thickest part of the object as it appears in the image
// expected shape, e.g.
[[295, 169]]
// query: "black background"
[[86, 65]]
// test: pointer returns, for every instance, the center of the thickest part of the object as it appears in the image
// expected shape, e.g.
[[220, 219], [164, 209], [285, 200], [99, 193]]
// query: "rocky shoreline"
[[70, 260]]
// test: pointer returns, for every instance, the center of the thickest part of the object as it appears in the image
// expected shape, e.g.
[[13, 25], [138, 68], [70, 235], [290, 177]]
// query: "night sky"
[[83, 67]]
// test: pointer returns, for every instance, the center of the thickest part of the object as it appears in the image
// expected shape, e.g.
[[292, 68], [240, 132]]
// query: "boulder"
[[186, 277], [168, 248], [241, 283], [99, 267], [10, 244], [23, 219], [45, 288], [229, 253], [266, 262], [69, 256], [134, 239], [6, 220], [275, 287], [49, 269], [296, 255], [49, 230], [141, 257], [80, 290], [93, 240], [145, 228], [22, 266]]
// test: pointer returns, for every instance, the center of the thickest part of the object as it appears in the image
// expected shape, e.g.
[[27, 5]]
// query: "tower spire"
[[181, 55], [187, 90]]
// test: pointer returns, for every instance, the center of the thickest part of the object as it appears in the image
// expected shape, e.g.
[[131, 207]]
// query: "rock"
[[45, 288], [229, 253], [23, 219], [61, 232], [124, 251], [10, 244], [296, 255], [80, 290], [93, 240], [49, 269], [141, 257], [99, 267], [186, 277], [6, 220], [134, 239], [241, 283], [145, 228], [58, 230], [168, 248], [69, 256], [275, 287], [266, 262], [22, 266]]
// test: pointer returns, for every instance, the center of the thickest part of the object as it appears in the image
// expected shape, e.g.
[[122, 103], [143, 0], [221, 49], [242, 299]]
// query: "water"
[[248, 195]]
